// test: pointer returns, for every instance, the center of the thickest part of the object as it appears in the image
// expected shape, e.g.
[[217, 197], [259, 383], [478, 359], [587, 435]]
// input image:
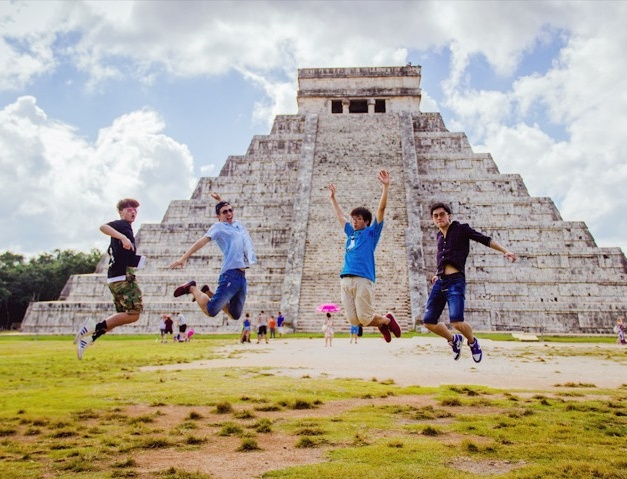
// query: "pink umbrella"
[[328, 308]]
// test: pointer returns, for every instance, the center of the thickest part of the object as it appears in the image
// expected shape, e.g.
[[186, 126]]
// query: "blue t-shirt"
[[360, 246]]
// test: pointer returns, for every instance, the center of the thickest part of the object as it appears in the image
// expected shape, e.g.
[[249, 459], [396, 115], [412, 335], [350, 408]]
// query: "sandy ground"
[[427, 361]]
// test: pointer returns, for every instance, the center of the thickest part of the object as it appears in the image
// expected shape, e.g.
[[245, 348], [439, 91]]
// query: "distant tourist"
[[245, 337], [238, 255], [262, 327], [619, 329], [354, 332], [449, 282], [162, 328], [358, 274], [328, 331], [169, 323], [123, 261], [182, 325], [272, 327], [280, 319]]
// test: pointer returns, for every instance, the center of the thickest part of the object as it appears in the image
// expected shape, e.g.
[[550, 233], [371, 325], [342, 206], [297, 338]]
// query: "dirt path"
[[427, 361]]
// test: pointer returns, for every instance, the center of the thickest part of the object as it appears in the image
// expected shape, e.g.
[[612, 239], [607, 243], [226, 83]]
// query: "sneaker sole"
[[79, 351]]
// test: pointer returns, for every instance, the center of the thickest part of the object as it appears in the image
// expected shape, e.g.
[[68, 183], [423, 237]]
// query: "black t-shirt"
[[121, 259]]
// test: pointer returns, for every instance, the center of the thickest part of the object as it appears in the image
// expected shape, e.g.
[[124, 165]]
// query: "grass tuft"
[[224, 407], [248, 444]]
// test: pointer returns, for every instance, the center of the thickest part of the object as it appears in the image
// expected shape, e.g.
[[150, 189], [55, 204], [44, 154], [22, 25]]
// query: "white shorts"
[[357, 297]]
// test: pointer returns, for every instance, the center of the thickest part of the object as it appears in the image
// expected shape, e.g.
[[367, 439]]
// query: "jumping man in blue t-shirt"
[[358, 275]]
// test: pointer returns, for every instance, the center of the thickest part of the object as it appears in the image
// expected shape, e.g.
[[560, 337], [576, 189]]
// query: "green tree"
[[40, 278]]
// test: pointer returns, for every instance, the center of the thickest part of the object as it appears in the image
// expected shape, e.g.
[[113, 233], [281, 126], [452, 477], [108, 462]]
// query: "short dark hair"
[[364, 213], [220, 205], [126, 202], [444, 206]]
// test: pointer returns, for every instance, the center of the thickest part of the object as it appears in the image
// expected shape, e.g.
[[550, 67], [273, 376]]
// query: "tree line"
[[40, 278]]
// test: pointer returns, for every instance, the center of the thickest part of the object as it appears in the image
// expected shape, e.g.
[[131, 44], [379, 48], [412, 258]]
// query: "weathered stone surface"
[[562, 282]]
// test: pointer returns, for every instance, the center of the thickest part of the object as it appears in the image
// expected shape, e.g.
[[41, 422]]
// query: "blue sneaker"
[[456, 344], [477, 354]]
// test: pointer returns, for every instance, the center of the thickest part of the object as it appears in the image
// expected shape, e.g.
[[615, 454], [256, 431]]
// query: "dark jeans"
[[448, 289]]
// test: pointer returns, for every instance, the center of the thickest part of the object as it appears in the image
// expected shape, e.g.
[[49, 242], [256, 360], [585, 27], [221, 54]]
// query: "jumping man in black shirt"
[[123, 261], [449, 282]]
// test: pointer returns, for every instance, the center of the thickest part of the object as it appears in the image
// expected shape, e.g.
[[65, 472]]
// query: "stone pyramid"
[[351, 123]]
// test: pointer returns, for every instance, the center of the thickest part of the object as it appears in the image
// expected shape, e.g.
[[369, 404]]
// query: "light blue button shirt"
[[235, 244]]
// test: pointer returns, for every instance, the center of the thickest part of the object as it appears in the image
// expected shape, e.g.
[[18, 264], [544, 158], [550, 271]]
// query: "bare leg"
[[379, 320], [466, 330], [120, 319], [441, 330], [203, 299]]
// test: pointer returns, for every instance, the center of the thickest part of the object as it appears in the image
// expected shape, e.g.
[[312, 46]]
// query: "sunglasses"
[[229, 210]]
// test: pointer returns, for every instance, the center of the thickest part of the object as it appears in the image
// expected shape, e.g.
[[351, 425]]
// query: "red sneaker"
[[385, 331], [184, 289], [393, 326]]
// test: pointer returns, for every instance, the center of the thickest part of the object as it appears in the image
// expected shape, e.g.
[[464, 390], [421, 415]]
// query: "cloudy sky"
[[101, 100]]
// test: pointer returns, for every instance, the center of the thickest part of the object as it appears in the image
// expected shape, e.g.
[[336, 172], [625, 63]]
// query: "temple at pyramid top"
[[359, 90], [352, 122]]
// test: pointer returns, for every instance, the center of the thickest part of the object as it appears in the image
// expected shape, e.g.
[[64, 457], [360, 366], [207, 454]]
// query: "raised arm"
[[338, 211], [180, 263], [216, 196], [384, 178]]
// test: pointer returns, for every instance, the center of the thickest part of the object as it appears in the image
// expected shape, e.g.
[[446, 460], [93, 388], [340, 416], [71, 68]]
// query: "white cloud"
[[580, 94], [57, 189]]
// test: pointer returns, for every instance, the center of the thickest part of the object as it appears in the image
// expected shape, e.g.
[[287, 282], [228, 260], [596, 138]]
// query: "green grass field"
[[103, 418]]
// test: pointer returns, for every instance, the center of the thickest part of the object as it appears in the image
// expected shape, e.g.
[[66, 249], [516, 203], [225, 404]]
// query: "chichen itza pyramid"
[[351, 122]]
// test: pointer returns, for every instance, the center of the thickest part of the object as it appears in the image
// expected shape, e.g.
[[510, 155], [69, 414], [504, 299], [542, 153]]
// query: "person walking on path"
[[328, 331], [123, 261], [238, 255], [358, 274], [449, 282]]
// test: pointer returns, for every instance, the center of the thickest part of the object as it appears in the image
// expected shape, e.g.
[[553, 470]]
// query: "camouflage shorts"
[[127, 296]]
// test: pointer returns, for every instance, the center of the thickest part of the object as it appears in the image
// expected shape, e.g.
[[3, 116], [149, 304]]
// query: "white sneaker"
[[82, 345], [87, 328]]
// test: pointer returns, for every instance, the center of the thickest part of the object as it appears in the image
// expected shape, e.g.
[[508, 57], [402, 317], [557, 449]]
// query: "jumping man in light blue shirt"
[[238, 254]]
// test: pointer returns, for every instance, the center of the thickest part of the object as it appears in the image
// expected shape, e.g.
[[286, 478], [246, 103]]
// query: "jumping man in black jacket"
[[449, 282]]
